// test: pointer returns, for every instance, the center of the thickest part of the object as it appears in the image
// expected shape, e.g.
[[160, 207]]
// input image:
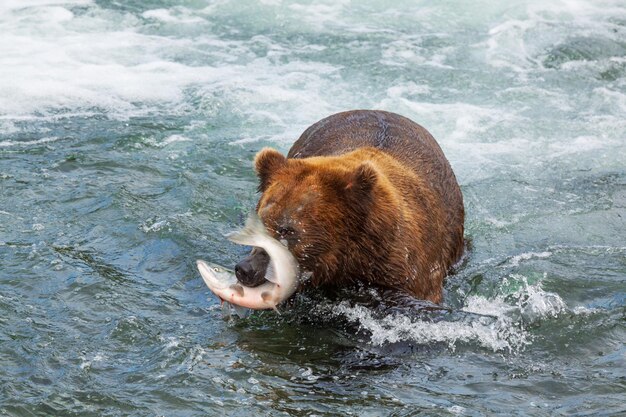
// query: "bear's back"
[[406, 141]]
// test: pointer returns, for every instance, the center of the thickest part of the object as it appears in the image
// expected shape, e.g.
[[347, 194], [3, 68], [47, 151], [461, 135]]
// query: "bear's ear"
[[266, 162], [363, 179]]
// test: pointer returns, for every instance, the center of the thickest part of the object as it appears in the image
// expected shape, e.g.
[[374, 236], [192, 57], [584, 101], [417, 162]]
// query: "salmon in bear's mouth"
[[281, 276]]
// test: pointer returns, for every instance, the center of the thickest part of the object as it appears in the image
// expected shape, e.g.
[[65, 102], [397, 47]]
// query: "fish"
[[281, 275]]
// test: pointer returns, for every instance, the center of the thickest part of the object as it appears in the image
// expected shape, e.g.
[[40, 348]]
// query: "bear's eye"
[[286, 231]]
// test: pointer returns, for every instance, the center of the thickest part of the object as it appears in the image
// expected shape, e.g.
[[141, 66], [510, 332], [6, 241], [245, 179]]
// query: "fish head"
[[214, 275], [219, 271]]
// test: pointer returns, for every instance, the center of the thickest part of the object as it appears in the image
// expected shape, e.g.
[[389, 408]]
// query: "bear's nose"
[[250, 271], [244, 272]]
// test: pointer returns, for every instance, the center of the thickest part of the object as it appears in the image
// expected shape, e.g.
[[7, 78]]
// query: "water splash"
[[154, 225], [500, 323], [402, 328]]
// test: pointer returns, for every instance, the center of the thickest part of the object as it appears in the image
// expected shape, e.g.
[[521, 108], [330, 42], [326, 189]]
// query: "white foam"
[[167, 141], [319, 14], [408, 52], [152, 225], [613, 99], [10, 5], [409, 88], [59, 62], [194, 357], [172, 342], [519, 42], [457, 410], [26, 143], [173, 139], [85, 363], [515, 260], [175, 15], [466, 119], [579, 145], [499, 223], [8, 127], [507, 47], [270, 2]]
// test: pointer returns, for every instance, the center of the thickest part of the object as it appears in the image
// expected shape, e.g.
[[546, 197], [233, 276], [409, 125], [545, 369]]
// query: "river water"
[[127, 133]]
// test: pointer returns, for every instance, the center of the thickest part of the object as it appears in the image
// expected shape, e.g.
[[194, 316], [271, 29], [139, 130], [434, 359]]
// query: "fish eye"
[[216, 269]]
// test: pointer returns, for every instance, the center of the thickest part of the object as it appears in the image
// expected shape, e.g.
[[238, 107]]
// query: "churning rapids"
[[127, 131]]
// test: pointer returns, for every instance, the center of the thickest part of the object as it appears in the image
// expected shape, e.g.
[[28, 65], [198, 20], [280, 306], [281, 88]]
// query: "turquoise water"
[[127, 132]]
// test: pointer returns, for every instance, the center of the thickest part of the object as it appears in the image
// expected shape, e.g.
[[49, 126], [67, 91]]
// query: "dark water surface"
[[127, 132]]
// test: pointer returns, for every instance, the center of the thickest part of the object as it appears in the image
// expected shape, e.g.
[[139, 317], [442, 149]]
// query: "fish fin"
[[265, 296], [237, 288], [249, 235], [225, 310], [270, 272], [276, 310], [242, 312]]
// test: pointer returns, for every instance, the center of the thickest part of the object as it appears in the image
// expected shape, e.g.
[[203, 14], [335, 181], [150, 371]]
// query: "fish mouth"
[[206, 270], [211, 273]]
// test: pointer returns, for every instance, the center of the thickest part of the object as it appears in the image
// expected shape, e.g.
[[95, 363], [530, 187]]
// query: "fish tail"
[[251, 234]]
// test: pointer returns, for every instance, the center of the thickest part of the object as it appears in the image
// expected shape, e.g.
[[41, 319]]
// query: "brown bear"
[[362, 196]]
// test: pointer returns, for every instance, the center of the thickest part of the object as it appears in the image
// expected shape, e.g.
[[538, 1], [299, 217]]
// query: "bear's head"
[[320, 207]]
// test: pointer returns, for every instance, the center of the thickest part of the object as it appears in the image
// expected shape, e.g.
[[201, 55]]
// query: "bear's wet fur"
[[365, 196]]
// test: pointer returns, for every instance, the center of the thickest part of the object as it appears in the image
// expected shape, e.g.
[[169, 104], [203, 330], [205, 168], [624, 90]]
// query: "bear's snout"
[[250, 271]]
